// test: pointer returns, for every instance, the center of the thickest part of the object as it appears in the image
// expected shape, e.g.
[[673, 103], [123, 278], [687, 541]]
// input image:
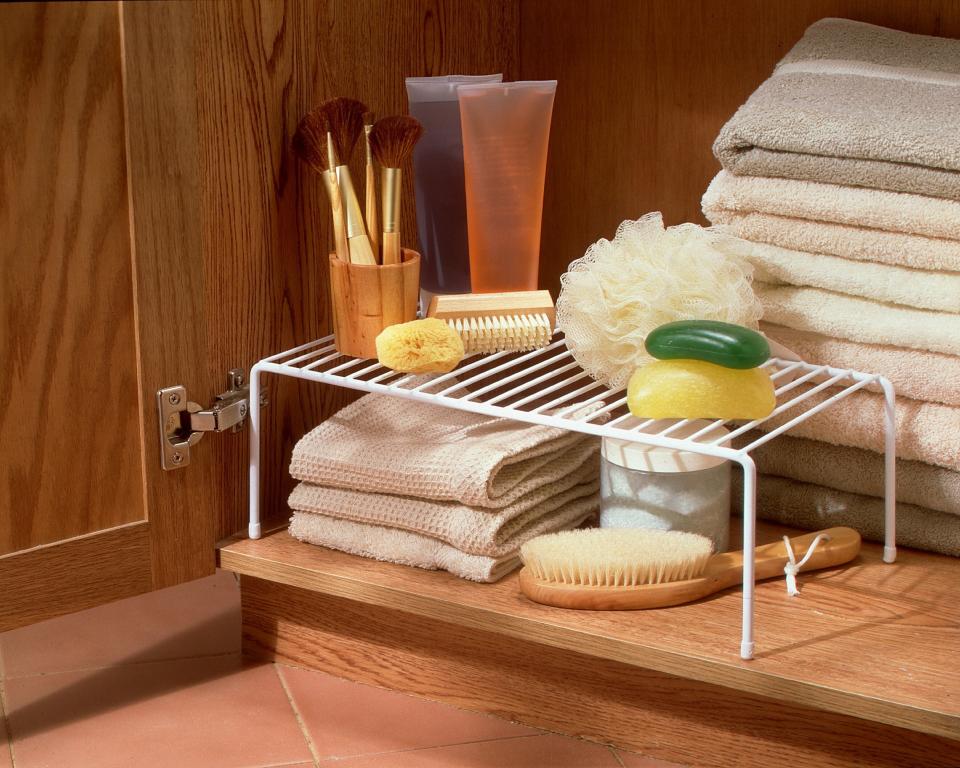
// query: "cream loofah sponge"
[[420, 346], [622, 289]]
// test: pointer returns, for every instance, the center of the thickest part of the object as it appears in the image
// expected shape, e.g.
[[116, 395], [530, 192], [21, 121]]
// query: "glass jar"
[[643, 486]]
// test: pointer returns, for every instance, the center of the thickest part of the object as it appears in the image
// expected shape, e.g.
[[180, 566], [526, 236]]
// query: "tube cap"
[[650, 458]]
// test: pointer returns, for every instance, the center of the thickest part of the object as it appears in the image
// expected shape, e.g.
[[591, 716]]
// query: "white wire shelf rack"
[[548, 387]]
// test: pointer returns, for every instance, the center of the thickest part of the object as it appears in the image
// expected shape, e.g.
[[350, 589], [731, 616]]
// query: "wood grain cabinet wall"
[[155, 230]]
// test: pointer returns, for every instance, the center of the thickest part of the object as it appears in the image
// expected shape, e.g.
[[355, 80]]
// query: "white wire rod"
[[855, 375], [890, 471], [777, 392], [343, 366], [784, 371], [599, 412], [596, 398], [552, 388], [461, 383], [523, 386], [317, 363], [787, 405], [768, 436], [385, 375], [308, 355], [294, 351], [582, 426], [627, 416], [469, 367], [369, 368], [801, 380], [569, 396]]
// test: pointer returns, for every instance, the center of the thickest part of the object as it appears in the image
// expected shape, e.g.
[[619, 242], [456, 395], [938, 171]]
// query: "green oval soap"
[[726, 344]]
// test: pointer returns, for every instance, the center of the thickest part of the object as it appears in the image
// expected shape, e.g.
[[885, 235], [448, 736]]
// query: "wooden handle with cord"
[[722, 571]]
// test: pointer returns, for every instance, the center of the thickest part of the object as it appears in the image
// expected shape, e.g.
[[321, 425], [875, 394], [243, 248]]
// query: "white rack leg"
[[749, 545], [254, 427], [890, 473]]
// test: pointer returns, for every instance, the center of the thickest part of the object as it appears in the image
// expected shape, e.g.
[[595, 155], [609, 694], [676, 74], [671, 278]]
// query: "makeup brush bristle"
[[310, 141], [393, 139], [345, 120]]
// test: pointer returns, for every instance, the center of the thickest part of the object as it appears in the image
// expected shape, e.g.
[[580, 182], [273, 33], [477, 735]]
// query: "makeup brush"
[[370, 187], [344, 119], [392, 141], [310, 146]]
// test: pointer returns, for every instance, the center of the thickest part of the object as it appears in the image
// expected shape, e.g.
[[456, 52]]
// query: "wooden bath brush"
[[610, 569]]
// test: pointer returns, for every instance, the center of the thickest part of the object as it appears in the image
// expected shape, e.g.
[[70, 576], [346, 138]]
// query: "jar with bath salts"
[[644, 486]]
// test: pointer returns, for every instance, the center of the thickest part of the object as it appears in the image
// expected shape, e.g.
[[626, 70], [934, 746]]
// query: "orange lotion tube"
[[506, 130]]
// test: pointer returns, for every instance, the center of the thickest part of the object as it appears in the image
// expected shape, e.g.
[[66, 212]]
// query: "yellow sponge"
[[420, 346], [696, 389]]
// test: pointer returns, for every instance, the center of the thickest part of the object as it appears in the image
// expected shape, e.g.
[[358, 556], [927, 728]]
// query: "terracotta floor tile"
[[198, 713], [345, 718], [633, 760], [200, 618], [524, 752]]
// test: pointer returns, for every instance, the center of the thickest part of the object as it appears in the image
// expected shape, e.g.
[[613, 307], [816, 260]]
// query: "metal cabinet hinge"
[[183, 422]]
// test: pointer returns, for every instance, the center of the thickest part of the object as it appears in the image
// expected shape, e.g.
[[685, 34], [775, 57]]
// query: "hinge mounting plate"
[[183, 422]]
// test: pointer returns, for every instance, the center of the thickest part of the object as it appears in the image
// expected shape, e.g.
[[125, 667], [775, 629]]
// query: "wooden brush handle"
[[361, 252], [373, 227], [722, 571], [391, 247]]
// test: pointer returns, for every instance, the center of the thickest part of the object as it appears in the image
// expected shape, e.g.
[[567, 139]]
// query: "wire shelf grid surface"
[[548, 387]]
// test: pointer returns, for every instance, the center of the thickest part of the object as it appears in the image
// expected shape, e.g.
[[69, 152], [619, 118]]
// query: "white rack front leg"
[[890, 472], [749, 553], [254, 427]]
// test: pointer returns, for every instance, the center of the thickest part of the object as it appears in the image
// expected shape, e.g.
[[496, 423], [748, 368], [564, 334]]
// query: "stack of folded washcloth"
[[843, 168], [423, 485]]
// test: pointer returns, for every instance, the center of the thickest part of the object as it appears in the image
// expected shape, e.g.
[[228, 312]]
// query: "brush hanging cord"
[[648, 275], [792, 567]]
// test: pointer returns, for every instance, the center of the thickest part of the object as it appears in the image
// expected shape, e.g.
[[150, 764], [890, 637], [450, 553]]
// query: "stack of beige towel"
[[422, 485], [843, 168]]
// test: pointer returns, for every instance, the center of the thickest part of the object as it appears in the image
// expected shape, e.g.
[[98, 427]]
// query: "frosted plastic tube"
[[506, 130], [438, 182]]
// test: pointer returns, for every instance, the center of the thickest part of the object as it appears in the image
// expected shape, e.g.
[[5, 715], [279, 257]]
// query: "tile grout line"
[[7, 733], [296, 713]]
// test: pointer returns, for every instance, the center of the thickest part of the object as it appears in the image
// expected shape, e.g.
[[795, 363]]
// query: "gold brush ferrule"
[[366, 133], [331, 152], [390, 189], [351, 205]]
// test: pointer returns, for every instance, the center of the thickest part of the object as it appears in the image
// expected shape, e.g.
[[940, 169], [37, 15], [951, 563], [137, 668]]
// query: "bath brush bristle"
[[616, 557], [498, 322]]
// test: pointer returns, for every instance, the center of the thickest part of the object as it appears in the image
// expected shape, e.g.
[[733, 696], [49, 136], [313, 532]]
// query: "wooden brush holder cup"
[[369, 298]]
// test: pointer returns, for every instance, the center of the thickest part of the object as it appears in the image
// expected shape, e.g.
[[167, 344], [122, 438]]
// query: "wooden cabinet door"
[[87, 210], [154, 231]]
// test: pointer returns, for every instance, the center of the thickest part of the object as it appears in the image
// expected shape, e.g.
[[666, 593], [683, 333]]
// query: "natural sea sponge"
[[420, 346], [622, 289], [695, 389]]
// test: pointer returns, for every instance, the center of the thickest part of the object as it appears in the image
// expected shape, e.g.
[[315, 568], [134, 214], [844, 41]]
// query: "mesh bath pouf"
[[622, 289]]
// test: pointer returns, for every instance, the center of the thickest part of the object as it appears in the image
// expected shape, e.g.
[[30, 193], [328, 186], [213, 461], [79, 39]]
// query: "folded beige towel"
[[855, 104], [917, 288], [926, 432], [383, 444], [395, 546], [847, 317], [846, 241], [814, 507], [858, 471], [478, 531], [729, 196], [915, 374]]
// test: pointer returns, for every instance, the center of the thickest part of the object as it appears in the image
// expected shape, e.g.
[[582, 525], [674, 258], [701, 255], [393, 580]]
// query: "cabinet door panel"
[[70, 458]]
